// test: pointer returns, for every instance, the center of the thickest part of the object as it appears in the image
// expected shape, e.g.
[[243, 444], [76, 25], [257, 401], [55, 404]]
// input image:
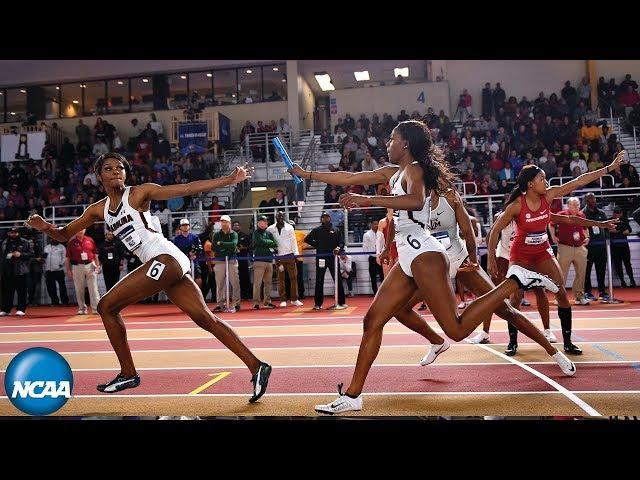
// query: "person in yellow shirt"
[[590, 132], [300, 236]]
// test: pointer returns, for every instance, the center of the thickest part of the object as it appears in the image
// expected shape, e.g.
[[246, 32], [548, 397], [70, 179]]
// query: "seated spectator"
[[495, 164], [339, 136], [578, 163], [359, 133], [100, 148], [454, 143], [468, 139], [548, 165], [629, 97], [368, 163], [507, 172], [371, 139]]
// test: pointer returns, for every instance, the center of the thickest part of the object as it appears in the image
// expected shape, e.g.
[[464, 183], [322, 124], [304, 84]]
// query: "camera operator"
[[190, 245]]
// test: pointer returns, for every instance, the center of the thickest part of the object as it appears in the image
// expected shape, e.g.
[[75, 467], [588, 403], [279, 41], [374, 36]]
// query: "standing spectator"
[[36, 264], [225, 244], [620, 252], [584, 92], [465, 105], [16, 257], [570, 96], [162, 149], [246, 130], [83, 133], [68, 152], [284, 235], [244, 247], [487, 100], [264, 246], [572, 241], [596, 249], [55, 255], [283, 127], [403, 117], [300, 236], [369, 245], [326, 240], [499, 96], [628, 82], [155, 124], [83, 266], [110, 255]]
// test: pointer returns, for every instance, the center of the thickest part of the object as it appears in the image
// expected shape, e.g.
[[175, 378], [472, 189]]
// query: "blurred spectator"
[[83, 266], [16, 257], [111, 254], [225, 244], [244, 250], [284, 235], [620, 252], [55, 255], [264, 246]]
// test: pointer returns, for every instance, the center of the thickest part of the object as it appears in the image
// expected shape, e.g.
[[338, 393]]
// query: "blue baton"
[[285, 158]]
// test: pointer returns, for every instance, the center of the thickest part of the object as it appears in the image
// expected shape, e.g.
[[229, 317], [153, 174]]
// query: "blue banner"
[[224, 124], [192, 137]]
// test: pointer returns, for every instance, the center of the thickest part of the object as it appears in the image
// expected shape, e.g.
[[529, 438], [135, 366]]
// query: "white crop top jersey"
[[444, 227], [408, 221], [139, 232], [506, 239]]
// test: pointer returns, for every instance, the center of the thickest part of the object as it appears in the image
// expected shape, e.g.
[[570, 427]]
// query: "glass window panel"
[[250, 85], [95, 101], [71, 104], [16, 104], [141, 94], [118, 91], [275, 82], [178, 94], [224, 84], [200, 87], [51, 105]]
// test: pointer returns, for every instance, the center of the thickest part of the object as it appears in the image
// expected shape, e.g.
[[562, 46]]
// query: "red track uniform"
[[531, 243]]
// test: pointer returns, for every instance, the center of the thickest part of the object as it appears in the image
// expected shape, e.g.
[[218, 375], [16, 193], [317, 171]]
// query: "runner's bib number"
[[132, 241], [536, 238]]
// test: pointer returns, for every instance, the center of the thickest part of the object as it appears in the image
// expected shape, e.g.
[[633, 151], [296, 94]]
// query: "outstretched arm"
[[583, 222], [94, 213], [380, 175], [584, 179], [152, 191]]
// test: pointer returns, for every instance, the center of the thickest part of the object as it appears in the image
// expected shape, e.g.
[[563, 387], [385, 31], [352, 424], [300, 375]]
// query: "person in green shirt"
[[264, 245], [225, 244]]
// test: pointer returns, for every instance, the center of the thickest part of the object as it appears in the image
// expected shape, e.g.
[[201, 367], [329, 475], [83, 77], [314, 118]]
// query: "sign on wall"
[[224, 125], [333, 106], [22, 146], [192, 137]]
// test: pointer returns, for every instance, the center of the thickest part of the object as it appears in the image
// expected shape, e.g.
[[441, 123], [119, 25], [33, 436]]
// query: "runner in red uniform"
[[528, 205]]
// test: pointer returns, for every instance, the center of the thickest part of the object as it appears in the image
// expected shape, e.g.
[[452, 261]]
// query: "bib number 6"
[[155, 270], [413, 242]]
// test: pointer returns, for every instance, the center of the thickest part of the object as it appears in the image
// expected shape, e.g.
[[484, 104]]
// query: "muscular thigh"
[[394, 293], [431, 274], [186, 295], [148, 279]]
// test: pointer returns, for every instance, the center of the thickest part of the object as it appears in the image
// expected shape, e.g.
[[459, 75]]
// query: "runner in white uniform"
[[423, 267], [164, 266]]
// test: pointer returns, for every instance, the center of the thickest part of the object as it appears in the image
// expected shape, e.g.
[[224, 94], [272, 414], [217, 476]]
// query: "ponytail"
[[526, 175]]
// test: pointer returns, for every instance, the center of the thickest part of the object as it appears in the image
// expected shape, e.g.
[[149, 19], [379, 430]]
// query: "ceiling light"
[[57, 88], [275, 69], [120, 82], [258, 189], [362, 76], [209, 75], [183, 77], [145, 80], [76, 102], [23, 91], [403, 72], [12, 113], [249, 71], [324, 80], [284, 80], [82, 85]]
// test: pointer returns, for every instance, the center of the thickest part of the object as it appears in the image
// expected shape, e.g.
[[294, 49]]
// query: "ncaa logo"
[[527, 215], [38, 381]]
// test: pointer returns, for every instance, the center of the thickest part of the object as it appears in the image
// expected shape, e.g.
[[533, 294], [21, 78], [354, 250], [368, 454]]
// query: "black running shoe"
[[511, 349], [260, 380], [571, 349], [119, 383]]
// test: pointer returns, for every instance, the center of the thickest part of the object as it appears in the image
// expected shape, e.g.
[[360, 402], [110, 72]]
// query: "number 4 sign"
[[421, 98]]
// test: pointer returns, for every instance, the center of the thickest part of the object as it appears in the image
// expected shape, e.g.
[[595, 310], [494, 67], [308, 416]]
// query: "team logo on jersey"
[[118, 223], [527, 215]]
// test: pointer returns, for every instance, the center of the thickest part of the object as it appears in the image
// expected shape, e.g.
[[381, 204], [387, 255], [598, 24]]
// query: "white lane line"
[[571, 396]]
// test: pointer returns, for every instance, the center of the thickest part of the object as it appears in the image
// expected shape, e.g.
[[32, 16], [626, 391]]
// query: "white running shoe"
[[566, 365], [3, 314], [297, 303], [433, 352], [20, 313], [341, 404], [482, 337], [283, 304], [548, 334], [529, 279], [461, 305], [583, 301]]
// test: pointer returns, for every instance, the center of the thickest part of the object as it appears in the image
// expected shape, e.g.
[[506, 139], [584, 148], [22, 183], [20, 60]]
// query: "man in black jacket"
[[110, 256], [16, 259], [487, 100], [597, 254], [499, 96], [326, 239]]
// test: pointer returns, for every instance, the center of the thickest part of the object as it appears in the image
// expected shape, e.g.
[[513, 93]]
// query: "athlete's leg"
[[186, 295], [408, 317], [542, 302], [131, 289]]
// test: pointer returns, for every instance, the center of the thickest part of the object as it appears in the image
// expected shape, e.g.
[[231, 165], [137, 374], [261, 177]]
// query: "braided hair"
[[436, 173]]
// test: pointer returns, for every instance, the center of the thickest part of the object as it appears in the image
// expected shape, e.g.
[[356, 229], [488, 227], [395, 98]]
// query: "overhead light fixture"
[[275, 69], [120, 82], [23, 91], [249, 71], [12, 113], [362, 76], [403, 72], [258, 189], [76, 102], [284, 80], [183, 77], [82, 85], [209, 75], [324, 80], [57, 88], [145, 80], [233, 95]]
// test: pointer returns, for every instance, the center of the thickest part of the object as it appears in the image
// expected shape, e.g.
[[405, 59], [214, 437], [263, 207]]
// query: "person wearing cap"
[[264, 246], [225, 244], [16, 257], [284, 235], [190, 245], [620, 252], [326, 239], [83, 266], [597, 254], [572, 243]]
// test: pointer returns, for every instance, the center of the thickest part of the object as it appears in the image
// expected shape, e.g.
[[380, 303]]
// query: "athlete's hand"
[[241, 173], [468, 266], [297, 170], [37, 222], [492, 266], [616, 161], [385, 257], [351, 200], [611, 224]]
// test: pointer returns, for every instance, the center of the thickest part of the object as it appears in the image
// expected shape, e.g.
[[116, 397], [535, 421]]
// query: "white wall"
[[618, 69], [390, 99], [306, 104], [517, 77]]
